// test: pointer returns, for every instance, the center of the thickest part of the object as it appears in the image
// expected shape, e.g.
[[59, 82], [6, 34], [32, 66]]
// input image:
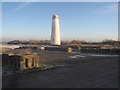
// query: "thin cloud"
[[108, 9], [21, 6], [111, 8]]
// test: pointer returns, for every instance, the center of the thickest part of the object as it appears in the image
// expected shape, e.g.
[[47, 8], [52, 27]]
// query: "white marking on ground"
[[104, 55], [76, 56]]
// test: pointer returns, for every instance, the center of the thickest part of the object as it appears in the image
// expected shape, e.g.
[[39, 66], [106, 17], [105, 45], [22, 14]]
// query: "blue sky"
[[89, 21]]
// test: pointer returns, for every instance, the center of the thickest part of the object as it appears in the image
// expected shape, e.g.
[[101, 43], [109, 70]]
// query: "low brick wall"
[[101, 51], [20, 61], [62, 49]]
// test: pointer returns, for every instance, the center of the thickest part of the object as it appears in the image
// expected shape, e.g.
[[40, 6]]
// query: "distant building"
[[20, 61], [9, 46], [106, 46], [90, 47]]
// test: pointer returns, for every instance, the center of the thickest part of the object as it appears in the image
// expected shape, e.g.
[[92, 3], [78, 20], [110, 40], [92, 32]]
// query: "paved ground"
[[87, 72]]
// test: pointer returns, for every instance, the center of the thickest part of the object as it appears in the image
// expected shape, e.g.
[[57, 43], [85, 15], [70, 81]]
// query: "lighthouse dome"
[[55, 16]]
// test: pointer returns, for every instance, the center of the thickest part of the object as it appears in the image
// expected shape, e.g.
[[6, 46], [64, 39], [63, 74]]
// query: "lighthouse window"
[[26, 62], [32, 61]]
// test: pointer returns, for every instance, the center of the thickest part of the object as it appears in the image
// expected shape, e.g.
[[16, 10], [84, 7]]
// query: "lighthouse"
[[55, 34]]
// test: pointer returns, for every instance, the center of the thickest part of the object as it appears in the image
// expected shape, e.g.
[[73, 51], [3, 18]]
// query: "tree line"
[[77, 42]]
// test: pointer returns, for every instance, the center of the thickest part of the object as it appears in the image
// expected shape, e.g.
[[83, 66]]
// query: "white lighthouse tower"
[[55, 34]]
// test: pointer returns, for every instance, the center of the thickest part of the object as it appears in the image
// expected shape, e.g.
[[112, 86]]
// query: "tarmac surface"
[[83, 72]]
